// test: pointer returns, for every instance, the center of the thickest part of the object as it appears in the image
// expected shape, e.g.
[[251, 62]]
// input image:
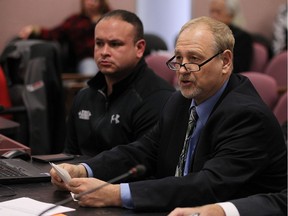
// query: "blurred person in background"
[[279, 42], [228, 12], [77, 33]]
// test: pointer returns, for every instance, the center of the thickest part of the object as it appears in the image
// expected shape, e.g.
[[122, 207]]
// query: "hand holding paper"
[[63, 174]]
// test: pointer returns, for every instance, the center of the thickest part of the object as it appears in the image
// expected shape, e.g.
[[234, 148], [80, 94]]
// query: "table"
[[46, 192], [8, 127]]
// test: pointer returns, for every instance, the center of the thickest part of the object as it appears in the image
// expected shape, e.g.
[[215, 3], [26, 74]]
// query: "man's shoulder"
[[86, 94], [75, 16]]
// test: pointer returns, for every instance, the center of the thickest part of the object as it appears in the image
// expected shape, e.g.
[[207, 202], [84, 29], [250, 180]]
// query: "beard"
[[190, 93]]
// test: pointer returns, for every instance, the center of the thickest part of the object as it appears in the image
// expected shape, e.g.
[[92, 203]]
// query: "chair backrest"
[[265, 85], [32, 69], [280, 109], [260, 57], [154, 43], [277, 68], [157, 62]]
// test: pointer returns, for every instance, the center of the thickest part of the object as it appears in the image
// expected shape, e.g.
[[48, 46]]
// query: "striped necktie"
[[191, 125]]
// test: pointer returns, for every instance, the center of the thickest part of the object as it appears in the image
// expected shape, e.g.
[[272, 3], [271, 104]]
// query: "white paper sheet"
[[29, 207]]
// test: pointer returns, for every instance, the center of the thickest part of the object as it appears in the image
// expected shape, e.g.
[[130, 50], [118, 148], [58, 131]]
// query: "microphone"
[[138, 170]]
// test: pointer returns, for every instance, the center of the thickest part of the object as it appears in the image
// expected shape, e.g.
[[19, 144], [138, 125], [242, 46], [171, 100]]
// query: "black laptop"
[[14, 171]]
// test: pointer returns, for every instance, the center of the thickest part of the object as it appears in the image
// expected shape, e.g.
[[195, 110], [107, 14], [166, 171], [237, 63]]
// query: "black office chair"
[[154, 43], [33, 72]]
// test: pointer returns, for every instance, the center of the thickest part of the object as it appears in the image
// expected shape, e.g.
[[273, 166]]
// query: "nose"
[[105, 50], [183, 70]]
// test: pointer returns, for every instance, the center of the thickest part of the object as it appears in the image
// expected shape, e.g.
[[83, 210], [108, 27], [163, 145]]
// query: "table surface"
[[46, 192], [6, 124], [9, 128]]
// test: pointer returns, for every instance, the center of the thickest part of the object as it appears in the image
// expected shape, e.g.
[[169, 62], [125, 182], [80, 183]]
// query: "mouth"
[[104, 63], [185, 83]]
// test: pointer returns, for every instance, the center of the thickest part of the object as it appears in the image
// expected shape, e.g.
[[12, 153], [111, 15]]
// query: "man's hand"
[[207, 210], [75, 171], [106, 196], [26, 31]]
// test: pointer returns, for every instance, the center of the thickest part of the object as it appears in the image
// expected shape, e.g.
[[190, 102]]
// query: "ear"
[[227, 58], [140, 47]]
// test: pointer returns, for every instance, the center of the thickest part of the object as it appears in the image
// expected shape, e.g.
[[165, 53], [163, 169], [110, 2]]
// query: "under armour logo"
[[84, 114], [115, 118]]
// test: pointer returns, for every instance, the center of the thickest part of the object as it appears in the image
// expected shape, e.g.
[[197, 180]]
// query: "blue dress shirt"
[[203, 111]]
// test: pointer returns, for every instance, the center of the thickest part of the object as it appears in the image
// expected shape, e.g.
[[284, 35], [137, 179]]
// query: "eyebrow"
[[189, 53], [109, 41]]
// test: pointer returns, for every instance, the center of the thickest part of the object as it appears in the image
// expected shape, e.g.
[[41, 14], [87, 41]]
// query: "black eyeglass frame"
[[183, 65]]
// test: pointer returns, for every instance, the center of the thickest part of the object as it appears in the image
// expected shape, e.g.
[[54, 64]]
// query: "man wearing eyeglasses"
[[234, 146]]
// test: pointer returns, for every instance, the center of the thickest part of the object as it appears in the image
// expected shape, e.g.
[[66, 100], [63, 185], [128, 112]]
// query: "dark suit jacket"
[[240, 152], [274, 204]]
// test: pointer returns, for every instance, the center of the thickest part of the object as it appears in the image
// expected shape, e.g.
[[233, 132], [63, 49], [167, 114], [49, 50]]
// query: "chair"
[[265, 85], [280, 109], [260, 57], [157, 62], [154, 43], [32, 69], [277, 68]]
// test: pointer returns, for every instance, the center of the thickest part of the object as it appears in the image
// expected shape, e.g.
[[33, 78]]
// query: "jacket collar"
[[98, 81]]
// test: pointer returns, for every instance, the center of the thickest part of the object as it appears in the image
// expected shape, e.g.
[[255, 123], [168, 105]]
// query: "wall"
[[170, 21], [18, 13], [15, 14]]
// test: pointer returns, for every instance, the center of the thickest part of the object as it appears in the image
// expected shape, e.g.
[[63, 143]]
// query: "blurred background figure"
[[279, 42], [75, 35], [228, 12]]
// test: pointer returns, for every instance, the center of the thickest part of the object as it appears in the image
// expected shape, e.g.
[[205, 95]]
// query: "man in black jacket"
[[272, 204], [226, 11], [236, 149], [125, 98]]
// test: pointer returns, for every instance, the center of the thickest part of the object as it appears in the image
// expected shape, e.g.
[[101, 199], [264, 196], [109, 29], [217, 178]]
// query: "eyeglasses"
[[190, 67]]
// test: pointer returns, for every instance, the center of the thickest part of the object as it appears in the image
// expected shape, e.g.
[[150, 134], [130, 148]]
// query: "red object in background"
[[4, 94]]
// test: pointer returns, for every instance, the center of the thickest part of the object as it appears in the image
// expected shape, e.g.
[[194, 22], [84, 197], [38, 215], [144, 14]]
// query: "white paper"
[[62, 173], [29, 207]]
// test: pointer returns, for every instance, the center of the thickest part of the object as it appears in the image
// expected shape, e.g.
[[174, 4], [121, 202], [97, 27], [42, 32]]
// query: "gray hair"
[[223, 35], [232, 7]]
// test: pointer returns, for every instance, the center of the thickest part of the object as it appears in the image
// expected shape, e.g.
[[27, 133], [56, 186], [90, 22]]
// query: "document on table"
[[29, 207]]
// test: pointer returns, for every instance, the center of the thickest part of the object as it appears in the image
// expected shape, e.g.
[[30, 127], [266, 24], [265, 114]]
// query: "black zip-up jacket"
[[98, 122]]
